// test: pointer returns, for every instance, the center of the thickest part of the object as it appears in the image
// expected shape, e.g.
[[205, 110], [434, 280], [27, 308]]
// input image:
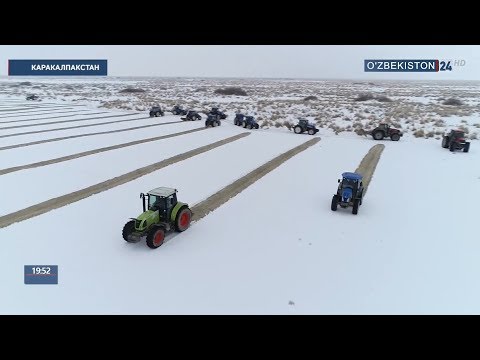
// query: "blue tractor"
[[250, 123], [305, 126], [239, 119], [212, 120], [156, 111], [349, 192]]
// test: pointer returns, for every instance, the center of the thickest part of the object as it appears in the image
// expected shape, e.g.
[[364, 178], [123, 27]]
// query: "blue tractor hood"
[[347, 194]]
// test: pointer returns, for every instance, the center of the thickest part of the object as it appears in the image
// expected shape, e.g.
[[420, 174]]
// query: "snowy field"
[[276, 248]]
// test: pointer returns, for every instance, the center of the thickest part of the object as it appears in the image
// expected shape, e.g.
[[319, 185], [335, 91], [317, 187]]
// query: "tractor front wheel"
[[395, 137], [257, 126], [128, 229], [182, 221], [334, 203], [155, 237], [311, 132], [249, 126], [356, 204], [452, 146], [466, 147], [445, 142]]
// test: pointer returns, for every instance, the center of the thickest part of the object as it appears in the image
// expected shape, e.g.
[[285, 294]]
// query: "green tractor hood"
[[144, 220]]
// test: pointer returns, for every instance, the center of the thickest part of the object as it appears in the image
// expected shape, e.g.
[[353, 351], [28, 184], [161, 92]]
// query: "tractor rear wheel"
[[128, 229], [395, 137], [206, 123], [155, 237], [378, 135], [218, 123], [182, 221], [334, 203], [356, 204], [311, 132], [249, 126], [445, 142], [257, 126], [244, 124], [298, 129], [466, 147]]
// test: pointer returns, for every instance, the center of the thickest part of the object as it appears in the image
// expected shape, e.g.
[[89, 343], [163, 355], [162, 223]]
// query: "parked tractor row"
[[455, 140]]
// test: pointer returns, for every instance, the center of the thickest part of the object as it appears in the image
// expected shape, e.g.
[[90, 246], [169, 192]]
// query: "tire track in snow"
[[368, 164], [69, 127], [71, 113], [84, 135], [75, 196], [94, 151], [213, 202]]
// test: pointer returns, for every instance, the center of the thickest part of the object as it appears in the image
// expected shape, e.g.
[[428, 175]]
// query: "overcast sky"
[[279, 61]]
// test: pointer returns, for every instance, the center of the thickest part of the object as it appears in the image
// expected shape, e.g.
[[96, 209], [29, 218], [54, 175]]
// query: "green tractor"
[[162, 212]]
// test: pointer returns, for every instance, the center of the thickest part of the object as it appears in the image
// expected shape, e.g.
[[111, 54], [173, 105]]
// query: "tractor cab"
[[161, 199], [352, 180], [384, 126], [457, 134], [303, 122]]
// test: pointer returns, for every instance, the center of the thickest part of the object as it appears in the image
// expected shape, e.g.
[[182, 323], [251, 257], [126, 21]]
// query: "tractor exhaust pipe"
[[142, 196]]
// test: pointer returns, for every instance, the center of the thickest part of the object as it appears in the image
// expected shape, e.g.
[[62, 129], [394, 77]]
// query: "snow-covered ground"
[[276, 248]]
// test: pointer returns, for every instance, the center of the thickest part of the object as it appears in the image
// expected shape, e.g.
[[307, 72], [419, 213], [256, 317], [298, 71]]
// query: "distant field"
[[418, 108]]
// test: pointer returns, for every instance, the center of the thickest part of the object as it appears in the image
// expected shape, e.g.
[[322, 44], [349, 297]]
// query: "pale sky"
[[269, 61]]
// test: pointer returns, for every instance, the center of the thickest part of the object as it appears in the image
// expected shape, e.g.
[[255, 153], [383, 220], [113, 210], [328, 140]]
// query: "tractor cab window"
[[458, 134], [156, 203], [171, 201], [349, 182]]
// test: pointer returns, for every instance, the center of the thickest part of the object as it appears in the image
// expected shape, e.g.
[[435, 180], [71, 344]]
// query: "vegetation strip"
[[75, 196], [84, 135], [70, 113], [94, 151], [368, 164], [73, 120], [12, 113], [213, 202]]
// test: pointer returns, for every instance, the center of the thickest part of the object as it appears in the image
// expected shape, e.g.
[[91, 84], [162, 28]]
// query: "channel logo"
[[411, 65]]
